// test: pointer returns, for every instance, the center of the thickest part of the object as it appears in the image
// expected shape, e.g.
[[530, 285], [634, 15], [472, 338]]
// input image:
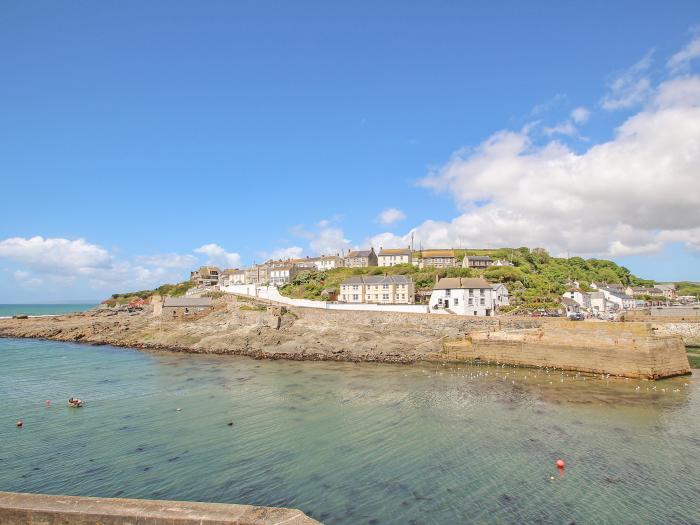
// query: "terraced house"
[[361, 258], [438, 259], [205, 276], [377, 289], [392, 257]]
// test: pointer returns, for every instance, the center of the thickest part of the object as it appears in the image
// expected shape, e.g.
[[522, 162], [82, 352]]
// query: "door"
[[447, 303]]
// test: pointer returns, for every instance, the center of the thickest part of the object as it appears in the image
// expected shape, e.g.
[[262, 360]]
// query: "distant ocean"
[[8, 310]]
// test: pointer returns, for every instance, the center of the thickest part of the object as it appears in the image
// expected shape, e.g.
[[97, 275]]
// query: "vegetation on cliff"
[[536, 280], [174, 290]]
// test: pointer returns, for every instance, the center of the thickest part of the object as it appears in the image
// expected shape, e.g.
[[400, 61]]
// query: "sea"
[[350, 443], [36, 310]]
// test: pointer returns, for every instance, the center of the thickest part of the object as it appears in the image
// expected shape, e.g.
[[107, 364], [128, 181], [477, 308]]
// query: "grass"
[[253, 308]]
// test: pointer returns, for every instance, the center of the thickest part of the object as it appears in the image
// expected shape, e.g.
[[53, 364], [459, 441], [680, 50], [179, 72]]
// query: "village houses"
[[379, 289], [464, 296], [281, 275], [205, 276], [361, 259], [392, 257], [576, 294], [329, 262], [478, 262], [438, 259], [232, 276]]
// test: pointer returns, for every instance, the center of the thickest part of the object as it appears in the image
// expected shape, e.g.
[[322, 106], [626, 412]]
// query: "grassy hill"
[[174, 290], [536, 281]]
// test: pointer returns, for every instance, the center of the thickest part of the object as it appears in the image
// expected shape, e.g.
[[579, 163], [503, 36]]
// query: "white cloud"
[[291, 252], [218, 256], [680, 62], [629, 195], [55, 256], [168, 260], [563, 128], [630, 88], [391, 215], [580, 115], [325, 239]]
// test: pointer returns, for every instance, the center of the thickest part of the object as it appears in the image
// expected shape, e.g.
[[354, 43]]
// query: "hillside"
[[536, 281]]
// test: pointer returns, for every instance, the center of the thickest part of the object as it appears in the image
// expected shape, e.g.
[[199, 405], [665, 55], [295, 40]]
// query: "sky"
[[139, 140]]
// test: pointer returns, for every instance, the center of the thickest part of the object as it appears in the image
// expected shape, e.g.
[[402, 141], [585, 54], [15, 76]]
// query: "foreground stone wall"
[[621, 349], [42, 509]]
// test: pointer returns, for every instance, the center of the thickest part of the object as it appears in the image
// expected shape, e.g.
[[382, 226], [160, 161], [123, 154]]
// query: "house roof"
[[596, 295], [377, 279], [360, 253], [394, 251], [438, 253], [231, 271], [478, 257], [187, 301], [566, 301], [574, 289], [465, 283]]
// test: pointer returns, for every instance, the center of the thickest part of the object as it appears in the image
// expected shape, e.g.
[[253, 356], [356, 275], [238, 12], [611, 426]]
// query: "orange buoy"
[[20, 424], [560, 464], [48, 402]]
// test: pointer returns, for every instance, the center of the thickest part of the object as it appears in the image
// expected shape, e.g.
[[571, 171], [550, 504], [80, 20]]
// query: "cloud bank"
[[629, 195]]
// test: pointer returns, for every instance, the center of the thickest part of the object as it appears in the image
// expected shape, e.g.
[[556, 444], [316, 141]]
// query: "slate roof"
[[187, 301], [395, 251], [360, 253], [465, 283], [377, 279], [478, 257]]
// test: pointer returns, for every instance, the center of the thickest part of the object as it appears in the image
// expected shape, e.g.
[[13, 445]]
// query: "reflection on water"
[[350, 443]]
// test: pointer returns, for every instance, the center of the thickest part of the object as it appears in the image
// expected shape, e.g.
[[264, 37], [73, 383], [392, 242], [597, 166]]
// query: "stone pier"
[[42, 509]]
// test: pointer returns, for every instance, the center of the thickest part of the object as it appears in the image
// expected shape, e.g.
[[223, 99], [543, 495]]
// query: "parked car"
[[576, 316]]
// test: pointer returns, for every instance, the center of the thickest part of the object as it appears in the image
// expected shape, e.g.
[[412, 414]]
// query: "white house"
[[380, 289], [281, 275], [229, 277], [502, 262], [392, 257], [464, 296], [501, 297], [621, 300], [328, 262], [571, 306], [578, 295], [599, 304]]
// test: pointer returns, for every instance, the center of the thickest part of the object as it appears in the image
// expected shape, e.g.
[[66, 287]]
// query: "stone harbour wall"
[[42, 509], [620, 349]]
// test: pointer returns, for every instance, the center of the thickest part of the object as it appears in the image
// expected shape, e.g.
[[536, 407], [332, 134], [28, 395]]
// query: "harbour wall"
[[43, 509], [621, 349]]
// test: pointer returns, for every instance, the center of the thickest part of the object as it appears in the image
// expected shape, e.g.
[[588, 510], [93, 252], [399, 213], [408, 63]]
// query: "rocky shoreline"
[[242, 327]]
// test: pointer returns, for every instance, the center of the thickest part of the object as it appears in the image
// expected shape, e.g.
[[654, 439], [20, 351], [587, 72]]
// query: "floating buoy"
[[48, 402], [179, 409], [20, 424], [230, 423], [560, 463]]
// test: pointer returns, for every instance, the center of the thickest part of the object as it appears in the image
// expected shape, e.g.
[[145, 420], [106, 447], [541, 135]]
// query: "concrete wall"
[[271, 293], [622, 349], [42, 509]]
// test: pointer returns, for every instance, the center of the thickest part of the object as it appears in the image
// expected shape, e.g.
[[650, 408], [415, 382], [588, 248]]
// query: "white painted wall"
[[272, 294]]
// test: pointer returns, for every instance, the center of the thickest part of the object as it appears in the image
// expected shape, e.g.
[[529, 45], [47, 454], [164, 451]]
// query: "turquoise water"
[[8, 310], [350, 443]]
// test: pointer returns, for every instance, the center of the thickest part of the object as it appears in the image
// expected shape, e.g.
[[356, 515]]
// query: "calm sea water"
[[8, 310], [350, 443]]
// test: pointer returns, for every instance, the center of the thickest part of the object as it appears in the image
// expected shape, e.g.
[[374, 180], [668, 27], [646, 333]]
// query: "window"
[[385, 286], [447, 293], [471, 301], [354, 297], [385, 296], [456, 301], [471, 292], [482, 301]]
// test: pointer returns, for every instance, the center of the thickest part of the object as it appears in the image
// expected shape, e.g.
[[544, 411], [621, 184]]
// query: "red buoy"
[[560, 464], [48, 402]]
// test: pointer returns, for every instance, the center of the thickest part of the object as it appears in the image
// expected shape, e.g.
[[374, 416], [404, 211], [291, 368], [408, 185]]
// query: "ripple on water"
[[350, 443]]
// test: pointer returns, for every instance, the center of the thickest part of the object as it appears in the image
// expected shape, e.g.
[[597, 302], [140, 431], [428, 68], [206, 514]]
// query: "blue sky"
[[139, 139]]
